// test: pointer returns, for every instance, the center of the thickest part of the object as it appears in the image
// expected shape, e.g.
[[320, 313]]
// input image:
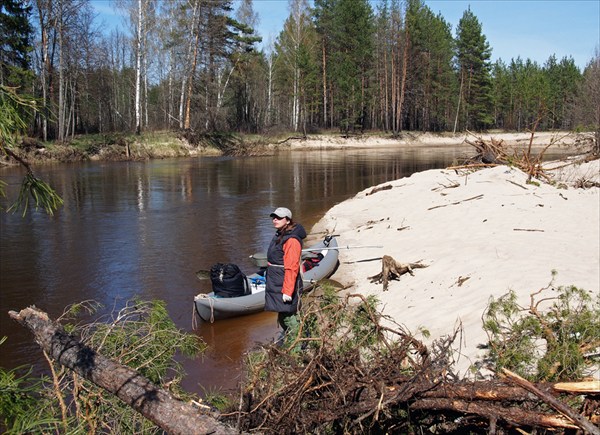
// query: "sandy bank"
[[482, 234], [512, 140]]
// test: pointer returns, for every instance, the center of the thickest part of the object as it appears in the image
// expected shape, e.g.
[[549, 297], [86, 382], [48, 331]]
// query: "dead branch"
[[393, 270], [457, 202], [291, 138], [577, 418], [512, 415], [154, 403], [364, 387], [379, 189]]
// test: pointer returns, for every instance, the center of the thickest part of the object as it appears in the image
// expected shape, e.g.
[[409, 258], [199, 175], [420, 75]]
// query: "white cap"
[[282, 212]]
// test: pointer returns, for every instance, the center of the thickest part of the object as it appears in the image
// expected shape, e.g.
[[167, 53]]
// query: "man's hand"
[[286, 299]]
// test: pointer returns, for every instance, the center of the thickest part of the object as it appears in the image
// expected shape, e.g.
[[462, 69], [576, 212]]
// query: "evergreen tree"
[[15, 36], [323, 19], [563, 81], [586, 103], [473, 57], [430, 70], [351, 56], [501, 95]]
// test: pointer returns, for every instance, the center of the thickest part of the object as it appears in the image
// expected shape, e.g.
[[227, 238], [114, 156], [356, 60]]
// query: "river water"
[[143, 228]]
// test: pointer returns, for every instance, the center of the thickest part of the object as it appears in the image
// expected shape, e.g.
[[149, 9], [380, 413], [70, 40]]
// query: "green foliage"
[[146, 343], [433, 81], [549, 345], [43, 196], [217, 400], [473, 57], [16, 34], [349, 28], [140, 335], [15, 109], [12, 123], [19, 399], [355, 328]]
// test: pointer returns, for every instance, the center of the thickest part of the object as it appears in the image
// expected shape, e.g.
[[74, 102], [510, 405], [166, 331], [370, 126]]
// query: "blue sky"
[[534, 29]]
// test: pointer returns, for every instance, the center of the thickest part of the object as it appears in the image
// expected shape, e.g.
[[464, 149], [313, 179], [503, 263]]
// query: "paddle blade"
[[203, 274]]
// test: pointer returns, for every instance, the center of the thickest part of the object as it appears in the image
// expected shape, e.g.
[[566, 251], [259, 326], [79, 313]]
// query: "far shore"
[[508, 139], [161, 145]]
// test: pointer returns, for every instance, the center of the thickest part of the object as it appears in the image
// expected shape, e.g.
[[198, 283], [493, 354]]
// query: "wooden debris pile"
[[494, 152], [348, 373]]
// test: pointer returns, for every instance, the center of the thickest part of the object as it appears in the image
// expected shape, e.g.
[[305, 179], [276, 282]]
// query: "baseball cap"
[[282, 212]]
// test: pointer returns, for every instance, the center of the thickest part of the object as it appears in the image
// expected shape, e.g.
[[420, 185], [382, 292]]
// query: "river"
[[143, 228]]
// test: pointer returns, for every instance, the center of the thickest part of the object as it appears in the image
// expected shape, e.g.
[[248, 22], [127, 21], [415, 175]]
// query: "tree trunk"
[[156, 404], [61, 75], [403, 84], [138, 72], [324, 54], [188, 103]]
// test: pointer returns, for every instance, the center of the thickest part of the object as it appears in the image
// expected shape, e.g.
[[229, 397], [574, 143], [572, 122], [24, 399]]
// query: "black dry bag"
[[228, 281]]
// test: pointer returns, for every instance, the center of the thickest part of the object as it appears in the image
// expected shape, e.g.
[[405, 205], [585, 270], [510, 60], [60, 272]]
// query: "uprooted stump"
[[392, 270]]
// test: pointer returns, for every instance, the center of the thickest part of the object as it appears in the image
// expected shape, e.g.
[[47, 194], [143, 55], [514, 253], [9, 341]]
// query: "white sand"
[[491, 227], [520, 140]]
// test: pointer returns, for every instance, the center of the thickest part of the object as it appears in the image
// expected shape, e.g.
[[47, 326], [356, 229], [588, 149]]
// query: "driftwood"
[[582, 387], [392, 270], [379, 189], [494, 152], [154, 403]]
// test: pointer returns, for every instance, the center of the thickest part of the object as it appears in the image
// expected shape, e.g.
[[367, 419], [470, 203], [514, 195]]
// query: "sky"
[[531, 29]]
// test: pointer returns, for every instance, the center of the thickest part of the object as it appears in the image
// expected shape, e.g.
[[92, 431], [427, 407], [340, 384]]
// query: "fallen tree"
[[154, 403]]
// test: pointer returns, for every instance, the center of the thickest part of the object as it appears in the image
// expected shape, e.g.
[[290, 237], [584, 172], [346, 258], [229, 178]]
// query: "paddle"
[[205, 274]]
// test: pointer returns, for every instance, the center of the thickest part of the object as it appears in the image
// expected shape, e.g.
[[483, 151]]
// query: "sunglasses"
[[278, 218]]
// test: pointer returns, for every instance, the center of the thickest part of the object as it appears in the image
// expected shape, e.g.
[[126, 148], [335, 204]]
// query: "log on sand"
[[154, 403]]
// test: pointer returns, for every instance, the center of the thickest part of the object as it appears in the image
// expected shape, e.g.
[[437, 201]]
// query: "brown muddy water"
[[143, 228]]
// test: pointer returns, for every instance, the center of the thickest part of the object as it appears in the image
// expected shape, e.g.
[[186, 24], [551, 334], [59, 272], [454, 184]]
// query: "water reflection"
[[143, 229]]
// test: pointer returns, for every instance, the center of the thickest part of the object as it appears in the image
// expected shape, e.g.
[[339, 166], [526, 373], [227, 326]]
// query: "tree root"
[[392, 270]]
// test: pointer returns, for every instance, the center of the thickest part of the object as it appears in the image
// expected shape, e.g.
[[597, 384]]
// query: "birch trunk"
[[138, 70], [61, 75]]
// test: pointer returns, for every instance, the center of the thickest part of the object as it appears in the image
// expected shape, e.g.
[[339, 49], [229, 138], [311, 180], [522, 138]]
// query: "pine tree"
[[430, 69], [15, 37], [351, 56], [563, 80], [473, 57]]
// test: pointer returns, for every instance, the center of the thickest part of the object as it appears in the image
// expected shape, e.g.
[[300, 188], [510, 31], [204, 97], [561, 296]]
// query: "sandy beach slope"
[[480, 233], [511, 140]]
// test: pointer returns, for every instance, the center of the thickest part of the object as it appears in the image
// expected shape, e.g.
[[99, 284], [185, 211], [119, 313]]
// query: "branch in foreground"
[[154, 403]]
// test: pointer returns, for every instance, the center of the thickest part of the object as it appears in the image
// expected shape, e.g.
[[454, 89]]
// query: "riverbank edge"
[[481, 233], [166, 145]]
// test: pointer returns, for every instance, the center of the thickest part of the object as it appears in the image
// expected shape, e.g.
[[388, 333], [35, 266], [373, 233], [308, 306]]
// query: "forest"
[[339, 65]]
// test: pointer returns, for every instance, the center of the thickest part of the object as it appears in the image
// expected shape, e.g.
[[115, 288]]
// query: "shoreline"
[[481, 234], [511, 140], [175, 147]]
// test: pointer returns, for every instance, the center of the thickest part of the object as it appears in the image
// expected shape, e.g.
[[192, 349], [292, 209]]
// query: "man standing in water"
[[284, 282]]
